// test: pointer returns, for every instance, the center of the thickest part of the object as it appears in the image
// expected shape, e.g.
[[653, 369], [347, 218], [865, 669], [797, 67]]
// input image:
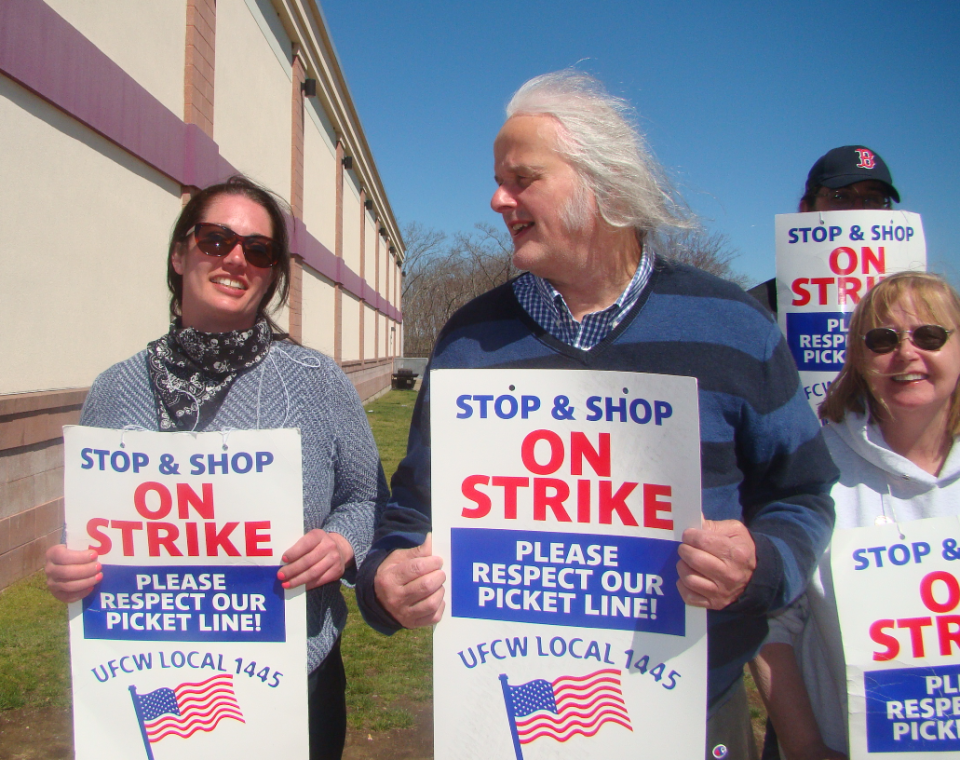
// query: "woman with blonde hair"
[[893, 418]]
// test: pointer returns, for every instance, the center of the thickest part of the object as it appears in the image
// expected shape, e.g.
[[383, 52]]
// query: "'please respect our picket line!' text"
[[191, 535]]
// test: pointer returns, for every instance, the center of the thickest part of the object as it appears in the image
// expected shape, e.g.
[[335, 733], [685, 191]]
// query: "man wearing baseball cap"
[[843, 179]]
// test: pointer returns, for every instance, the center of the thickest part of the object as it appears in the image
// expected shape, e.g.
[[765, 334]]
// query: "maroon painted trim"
[[48, 56], [321, 259]]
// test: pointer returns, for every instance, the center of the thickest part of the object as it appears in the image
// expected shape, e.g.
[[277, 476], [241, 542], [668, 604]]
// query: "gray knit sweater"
[[293, 387]]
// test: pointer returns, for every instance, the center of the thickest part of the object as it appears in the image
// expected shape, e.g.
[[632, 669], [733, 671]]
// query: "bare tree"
[[422, 245], [709, 251], [441, 274], [445, 275]]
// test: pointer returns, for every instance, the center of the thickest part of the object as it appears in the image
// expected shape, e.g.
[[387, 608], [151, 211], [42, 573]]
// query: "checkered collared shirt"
[[542, 302]]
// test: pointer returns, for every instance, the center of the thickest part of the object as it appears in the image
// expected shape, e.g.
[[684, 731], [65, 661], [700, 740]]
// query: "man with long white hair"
[[583, 201]]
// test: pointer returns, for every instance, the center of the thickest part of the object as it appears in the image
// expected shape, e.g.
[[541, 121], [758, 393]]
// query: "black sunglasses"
[[883, 340], [217, 240]]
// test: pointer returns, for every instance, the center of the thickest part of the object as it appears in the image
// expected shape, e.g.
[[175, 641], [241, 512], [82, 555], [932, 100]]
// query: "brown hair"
[[193, 212], [932, 297]]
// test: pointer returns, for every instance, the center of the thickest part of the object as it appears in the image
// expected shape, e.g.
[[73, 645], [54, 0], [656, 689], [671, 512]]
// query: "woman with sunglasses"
[[893, 420], [225, 365]]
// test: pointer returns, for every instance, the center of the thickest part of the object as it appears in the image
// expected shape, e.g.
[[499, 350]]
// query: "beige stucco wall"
[[370, 249], [253, 84], [385, 281], [369, 332], [145, 38], [351, 222], [318, 311], [319, 177], [82, 291], [350, 343]]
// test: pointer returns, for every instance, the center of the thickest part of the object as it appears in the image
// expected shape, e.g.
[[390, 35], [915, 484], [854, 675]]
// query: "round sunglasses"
[[217, 240], [883, 340]]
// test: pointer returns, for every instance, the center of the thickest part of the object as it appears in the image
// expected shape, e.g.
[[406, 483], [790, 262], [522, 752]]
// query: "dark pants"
[[729, 733], [327, 704]]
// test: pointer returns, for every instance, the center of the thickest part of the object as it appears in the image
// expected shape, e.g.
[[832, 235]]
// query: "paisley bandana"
[[192, 371]]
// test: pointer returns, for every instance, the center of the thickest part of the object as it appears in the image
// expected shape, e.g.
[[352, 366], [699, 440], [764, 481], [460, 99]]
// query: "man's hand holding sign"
[[716, 563], [410, 585]]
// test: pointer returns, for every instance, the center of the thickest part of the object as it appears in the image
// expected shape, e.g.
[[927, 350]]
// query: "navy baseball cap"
[[851, 163]]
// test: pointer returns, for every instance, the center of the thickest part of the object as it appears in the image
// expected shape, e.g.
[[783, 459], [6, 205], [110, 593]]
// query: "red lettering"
[[916, 626], [253, 538], [510, 486], [848, 286], [93, 530], [803, 295], [216, 540], [581, 449], [583, 501], [469, 489], [652, 506], [193, 545], [140, 500], [542, 499], [155, 540], [878, 260], [528, 452], [126, 528], [953, 591], [946, 636], [884, 639], [835, 260], [616, 502], [822, 283], [186, 497]]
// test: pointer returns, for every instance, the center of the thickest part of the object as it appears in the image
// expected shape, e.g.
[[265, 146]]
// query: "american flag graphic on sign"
[[564, 707], [185, 709]]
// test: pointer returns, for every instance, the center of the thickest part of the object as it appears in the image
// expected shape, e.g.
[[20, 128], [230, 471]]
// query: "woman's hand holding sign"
[[409, 584], [317, 558], [716, 563], [71, 575]]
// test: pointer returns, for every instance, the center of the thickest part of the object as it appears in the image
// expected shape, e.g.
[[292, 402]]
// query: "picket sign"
[[898, 595], [188, 648], [559, 499], [827, 260]]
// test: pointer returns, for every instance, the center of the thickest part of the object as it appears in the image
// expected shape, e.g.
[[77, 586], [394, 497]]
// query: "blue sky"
[[737, 99]]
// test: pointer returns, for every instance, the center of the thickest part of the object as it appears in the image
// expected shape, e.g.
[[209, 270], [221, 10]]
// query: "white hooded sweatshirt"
[[876, 486]]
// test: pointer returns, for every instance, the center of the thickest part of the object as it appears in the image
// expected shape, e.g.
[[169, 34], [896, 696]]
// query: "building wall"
[[84, 236], [369, 332], [318, 311], [113, 129], [252, 103], [154, 60], [351, 328], [320, 176], [351, 222]]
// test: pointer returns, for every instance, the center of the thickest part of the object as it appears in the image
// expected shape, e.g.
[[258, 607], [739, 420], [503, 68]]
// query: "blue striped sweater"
[[763, 459]]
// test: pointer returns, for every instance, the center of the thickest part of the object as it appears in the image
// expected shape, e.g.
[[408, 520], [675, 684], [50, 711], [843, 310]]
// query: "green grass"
[[385, 675], [389, 418], [34, 656]]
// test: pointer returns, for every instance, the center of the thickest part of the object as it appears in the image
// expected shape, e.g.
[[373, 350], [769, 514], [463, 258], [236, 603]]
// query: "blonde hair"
[[933, 298]]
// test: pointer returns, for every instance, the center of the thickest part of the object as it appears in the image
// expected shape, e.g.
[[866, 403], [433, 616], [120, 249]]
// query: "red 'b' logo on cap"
[[867, 159]]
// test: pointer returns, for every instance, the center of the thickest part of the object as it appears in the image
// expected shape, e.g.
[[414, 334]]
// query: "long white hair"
[[599, 138]]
